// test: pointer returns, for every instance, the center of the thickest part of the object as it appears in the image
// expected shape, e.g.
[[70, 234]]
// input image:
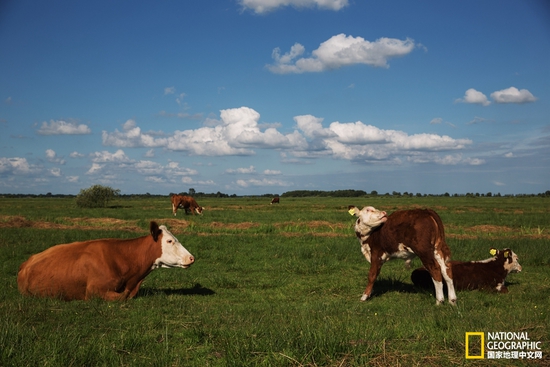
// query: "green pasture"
[[273, 285]]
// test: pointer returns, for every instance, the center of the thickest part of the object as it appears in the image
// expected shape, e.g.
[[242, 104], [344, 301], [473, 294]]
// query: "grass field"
[[273, 285]]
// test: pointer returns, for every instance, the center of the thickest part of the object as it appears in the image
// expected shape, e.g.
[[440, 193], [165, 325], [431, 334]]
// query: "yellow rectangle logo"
[[481, 348]]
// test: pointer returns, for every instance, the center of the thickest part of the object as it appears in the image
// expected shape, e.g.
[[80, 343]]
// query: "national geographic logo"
[[501, 345]]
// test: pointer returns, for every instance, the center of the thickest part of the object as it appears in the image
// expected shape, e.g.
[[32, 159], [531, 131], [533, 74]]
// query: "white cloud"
[[15, 166], [76, 155], [56, 172], [52, 157], [475, 97], [271, 172], [248, 170], [132, 136], [339, 51], [169, 90], [106, 157], [359, 142], [262, 182], [61, 127], [436, 120], [72, 179], [265, 6], [513, 95], [239, 132]]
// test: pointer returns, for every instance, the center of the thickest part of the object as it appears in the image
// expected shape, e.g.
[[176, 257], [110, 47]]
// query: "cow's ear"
[[155, 230], [493, 251], [506, 253], [352, 210]]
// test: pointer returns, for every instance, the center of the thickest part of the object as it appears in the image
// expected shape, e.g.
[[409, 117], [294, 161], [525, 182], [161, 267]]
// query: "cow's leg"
[[447, 273], [374, 271], [435, 272], [174, 209]]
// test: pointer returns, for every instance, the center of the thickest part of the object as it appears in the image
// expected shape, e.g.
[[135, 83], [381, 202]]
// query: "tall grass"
[[283, 291]]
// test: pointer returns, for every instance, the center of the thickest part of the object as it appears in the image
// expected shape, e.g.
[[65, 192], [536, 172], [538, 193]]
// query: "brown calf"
[[404, 235], [489, 274]]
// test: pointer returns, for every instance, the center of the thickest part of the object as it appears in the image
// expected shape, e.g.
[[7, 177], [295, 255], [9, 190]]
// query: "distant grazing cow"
[[404, 235], [488, 274], [185, 202], [112, 269], [275, 200]]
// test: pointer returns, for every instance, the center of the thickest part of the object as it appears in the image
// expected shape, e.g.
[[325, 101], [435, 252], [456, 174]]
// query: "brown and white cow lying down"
[[404, 235], [488, 274], [185, 202], [112, 269]]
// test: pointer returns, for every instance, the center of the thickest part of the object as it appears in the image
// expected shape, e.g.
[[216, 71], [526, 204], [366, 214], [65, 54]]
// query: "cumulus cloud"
[[239, 132], [513, 95], [169, 90], [357, 141], [475, 97], [271, 172], [76, 154], [250, 169], [61, 127], [107, 157], [15, 166], [339, 51], [131, 136], [262, 182], [51, 155], [265, 6]]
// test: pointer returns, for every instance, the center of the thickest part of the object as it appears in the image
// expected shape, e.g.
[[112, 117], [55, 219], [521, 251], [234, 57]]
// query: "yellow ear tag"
[[506, 254], [351, 211], [493, 252]]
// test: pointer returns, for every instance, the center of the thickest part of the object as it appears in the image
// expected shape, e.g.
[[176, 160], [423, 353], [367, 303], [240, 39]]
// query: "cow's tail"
[[440, 236]]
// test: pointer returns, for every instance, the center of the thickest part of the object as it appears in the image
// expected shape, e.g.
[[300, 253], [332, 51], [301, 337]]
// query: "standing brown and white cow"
[[112, 269], [404, 235], [185, 202], [489, 274], [275, 200]]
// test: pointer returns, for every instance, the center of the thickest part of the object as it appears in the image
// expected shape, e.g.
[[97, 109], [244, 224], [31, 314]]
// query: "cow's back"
[[48, 273], [58, 271], [413, 228]]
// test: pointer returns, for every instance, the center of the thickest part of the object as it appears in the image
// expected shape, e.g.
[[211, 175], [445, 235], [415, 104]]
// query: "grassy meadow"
[[273, 285]]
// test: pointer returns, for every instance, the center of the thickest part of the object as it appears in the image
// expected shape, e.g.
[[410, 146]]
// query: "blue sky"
[[268, 96]]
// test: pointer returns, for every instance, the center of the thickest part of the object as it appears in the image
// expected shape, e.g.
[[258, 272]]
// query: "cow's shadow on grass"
[[196, 290], [389, 285]]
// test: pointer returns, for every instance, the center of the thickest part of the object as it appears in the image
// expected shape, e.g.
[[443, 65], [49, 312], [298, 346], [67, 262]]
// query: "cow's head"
[[199, 209], [367, 218], [510, 259], [173, 254]]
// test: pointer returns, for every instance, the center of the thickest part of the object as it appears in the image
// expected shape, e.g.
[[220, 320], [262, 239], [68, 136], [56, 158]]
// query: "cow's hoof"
[[439, 302], [364, 297], [452, 302]]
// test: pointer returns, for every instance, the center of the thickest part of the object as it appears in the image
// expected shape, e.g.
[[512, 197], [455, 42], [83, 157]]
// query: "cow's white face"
[[174, 255], [199, 209], [367, 219], [512, 264]]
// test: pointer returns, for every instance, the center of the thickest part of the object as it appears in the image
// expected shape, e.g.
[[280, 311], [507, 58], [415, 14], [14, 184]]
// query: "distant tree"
[[97, 196], [191, 192]]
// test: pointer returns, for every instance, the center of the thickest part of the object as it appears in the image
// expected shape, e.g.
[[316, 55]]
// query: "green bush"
[[97, 196]]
